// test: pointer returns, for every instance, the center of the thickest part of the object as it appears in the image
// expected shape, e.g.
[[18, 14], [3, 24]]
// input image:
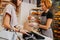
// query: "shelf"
[[57, 36], [55, 31], [58, 13], [58, 6], [57, 24], [5, 0]]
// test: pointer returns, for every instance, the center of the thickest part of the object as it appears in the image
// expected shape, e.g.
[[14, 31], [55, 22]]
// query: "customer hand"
[[34, 24], [23, 31]]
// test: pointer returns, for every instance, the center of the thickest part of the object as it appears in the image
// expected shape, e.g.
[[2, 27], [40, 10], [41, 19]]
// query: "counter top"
[[46, 38]]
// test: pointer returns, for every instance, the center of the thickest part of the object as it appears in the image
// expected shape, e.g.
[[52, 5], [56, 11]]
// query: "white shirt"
[[10, 9]]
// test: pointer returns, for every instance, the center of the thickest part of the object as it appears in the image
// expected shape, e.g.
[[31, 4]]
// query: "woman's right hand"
[[23, 31]]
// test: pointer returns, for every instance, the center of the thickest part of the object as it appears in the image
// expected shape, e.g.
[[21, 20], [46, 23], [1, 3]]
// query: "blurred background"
[[30, 4]]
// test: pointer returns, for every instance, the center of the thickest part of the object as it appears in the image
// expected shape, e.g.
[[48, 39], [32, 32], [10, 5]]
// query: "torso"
[[10, 9], [44, 17]]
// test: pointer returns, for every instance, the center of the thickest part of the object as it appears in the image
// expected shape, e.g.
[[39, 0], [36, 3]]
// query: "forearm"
[[43, 27], [16, 29], [7, 26], [47, 26]]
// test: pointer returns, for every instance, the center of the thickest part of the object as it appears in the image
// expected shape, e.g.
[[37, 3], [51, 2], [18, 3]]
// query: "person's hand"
[[23, 31], [33, 24]]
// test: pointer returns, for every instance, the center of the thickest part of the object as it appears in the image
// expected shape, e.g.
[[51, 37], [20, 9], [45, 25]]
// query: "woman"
[[46, 19], [10, 17]]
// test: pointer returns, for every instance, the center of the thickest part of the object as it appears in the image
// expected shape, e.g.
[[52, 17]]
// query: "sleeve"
[[8, 9], [50, 15]]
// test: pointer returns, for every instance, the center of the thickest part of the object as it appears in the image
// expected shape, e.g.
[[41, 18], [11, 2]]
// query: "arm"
[[47, 26], [6, 22]]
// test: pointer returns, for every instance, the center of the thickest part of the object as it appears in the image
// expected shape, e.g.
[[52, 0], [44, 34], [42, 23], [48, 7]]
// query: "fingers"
[[31, 24], [23, 31]]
